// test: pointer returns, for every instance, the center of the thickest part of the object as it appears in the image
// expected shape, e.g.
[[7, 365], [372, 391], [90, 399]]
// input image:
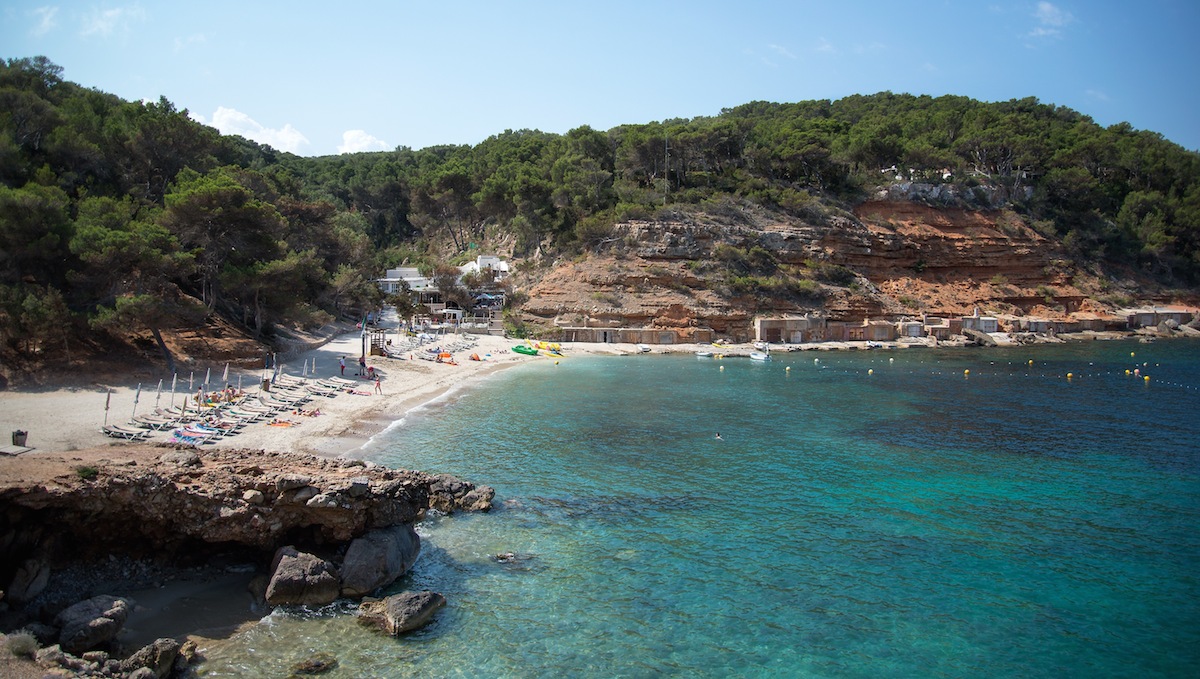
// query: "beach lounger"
[[127, 433], [155, 423]]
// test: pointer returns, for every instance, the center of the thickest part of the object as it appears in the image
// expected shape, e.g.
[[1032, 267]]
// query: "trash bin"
[[267, 384], [19, 438]]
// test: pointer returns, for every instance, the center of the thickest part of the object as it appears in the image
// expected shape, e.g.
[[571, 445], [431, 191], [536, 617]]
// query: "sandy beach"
[[70, 418], [65, 419]]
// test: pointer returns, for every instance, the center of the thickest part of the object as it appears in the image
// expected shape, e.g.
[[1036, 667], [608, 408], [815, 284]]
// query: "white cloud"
[[1098, 95], [233, 121], [825, 46], [105, 22], [782, 51], [47, 19], [193, 39], [1049, 15], [355, 141], [1051, 20]]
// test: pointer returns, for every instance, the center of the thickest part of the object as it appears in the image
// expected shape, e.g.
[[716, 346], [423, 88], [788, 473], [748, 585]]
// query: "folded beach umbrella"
[[136, 395], [225, 375], [207, 378], [107, 400], [158, 394], [174, 378]]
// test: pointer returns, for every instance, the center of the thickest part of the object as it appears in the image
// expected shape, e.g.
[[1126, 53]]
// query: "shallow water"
[[869, 514]]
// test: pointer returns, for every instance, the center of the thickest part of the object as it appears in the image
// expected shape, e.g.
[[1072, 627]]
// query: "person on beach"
[[378, 387], [362, 366], [342, 362]]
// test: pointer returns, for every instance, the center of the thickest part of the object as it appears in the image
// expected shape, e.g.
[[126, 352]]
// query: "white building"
[[390, 283]]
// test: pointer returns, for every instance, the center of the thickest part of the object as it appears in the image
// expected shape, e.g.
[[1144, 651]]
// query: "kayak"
[[525, 349]]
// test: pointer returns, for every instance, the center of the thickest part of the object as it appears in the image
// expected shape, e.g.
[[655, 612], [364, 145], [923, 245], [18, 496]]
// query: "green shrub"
[[86, 473], [21, 644]]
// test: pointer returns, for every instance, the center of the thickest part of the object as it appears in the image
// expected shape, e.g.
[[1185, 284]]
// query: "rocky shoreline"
[[303, 530]]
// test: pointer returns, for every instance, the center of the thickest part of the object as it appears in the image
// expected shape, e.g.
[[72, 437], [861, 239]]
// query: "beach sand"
[[70, 418]]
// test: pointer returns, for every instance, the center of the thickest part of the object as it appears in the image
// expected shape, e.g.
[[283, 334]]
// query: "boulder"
[[319, 663], [303, 579], [90, 623], [376, 559], [402, 612], [28, 582], [448, 493], [180, 458], [158, 656]]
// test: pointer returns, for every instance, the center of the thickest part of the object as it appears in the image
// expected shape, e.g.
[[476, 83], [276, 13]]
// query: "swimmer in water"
[[717, 436]]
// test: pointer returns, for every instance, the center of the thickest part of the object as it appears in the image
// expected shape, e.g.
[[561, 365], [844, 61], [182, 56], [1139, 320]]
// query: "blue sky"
[[318, 78]]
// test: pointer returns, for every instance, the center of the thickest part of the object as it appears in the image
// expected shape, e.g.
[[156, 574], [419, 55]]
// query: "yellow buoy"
[[1126, 371], [1070, 375], [1031, 361], [556, 363], [966, 372], [1131, 353], [870, 372], [1147, 378], [722, 367]]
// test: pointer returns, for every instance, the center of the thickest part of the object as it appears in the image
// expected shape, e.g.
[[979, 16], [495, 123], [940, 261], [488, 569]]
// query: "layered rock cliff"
[[184, 505], [897, 258]]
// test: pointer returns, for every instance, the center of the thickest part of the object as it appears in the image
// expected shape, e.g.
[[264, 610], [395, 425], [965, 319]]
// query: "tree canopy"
[[107, 205]]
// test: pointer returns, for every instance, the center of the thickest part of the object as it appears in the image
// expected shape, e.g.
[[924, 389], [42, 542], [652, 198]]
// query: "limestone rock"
[[376, 559], [180, 458], [29, 581], [288, 482], [300, 578], [158, 656], [90, 623], [402, 612], [319, 663], [216, 503], [447, 493]]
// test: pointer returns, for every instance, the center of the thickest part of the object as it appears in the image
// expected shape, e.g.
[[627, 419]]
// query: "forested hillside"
[[124, 216]]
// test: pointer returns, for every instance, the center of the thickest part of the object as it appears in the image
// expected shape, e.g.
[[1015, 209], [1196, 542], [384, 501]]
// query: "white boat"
[[644, 348], [762, 346], [759, 356], [704, 353]]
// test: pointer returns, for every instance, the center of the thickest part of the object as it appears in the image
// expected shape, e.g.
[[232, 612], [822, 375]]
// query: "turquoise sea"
[[865, 514]]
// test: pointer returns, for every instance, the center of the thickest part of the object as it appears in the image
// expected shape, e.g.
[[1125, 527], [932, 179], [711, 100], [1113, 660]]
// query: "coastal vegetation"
[[119, 217]]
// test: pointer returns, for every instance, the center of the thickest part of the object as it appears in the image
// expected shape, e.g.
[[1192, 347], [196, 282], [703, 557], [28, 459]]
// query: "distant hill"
[[124, 220]]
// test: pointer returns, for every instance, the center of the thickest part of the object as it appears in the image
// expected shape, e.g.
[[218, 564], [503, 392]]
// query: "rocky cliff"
[[896, 255], [184, 506]]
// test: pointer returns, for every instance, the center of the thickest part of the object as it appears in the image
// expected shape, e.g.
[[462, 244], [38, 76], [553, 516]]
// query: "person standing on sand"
[[378, 387], [342, 362], [362, 366]]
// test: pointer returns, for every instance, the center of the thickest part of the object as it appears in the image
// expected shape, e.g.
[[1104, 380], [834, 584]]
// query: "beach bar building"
[[1149, 317], [789, 329]]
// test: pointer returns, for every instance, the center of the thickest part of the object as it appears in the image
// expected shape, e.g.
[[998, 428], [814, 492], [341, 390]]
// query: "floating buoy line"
[[1137, 374]]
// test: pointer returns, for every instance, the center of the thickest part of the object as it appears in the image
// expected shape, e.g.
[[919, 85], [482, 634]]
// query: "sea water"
[[891, 513]]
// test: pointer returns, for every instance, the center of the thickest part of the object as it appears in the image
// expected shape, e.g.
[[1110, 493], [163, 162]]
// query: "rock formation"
[[401, 613], [326, 527], [378, 558], [88, 624]]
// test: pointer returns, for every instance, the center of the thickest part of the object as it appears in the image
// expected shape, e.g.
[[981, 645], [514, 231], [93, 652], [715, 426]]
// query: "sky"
[[322, 78]]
